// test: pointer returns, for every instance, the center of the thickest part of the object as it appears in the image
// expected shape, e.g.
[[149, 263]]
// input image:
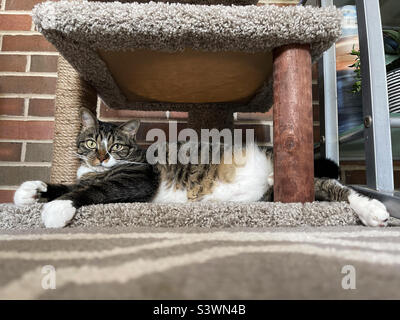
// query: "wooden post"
[[293, 125]]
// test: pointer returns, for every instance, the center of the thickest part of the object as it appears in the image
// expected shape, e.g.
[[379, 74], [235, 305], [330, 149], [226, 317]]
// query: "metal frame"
[[328, 101], [378, 148]]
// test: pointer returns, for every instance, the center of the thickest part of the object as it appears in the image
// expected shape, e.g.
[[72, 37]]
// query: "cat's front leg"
[[29, 192], [371, 212], [124, 186]]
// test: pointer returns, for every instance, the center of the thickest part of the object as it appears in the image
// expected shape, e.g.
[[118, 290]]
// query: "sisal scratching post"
[[72, 93], [293, 125]]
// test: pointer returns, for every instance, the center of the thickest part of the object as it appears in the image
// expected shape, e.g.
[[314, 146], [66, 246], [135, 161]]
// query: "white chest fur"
[[251, 181], [170, 194], [83, 170]]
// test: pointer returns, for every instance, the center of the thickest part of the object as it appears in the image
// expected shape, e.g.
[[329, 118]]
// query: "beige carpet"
[[199, 263], [197, 251], [206, 214]]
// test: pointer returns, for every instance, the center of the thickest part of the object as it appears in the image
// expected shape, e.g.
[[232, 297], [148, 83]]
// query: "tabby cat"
[[115, 169]]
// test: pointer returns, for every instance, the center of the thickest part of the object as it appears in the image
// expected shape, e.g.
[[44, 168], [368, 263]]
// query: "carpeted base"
[[215, 215], [154, 263]]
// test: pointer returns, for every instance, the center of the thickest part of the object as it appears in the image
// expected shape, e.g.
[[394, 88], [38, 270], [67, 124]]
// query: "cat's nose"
[[103, 157], [105, 160]]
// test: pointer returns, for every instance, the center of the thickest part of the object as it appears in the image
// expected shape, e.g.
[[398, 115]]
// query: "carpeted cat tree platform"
[[210, 59]]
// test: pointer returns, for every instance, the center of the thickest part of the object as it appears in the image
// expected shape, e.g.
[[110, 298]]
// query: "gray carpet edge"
[[205, 215]]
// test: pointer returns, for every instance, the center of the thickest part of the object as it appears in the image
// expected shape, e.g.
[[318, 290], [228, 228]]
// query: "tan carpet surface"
[[217, 215], [198, 251], [199, 263]]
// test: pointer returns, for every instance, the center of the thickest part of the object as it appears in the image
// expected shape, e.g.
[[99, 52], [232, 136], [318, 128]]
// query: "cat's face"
[[102, 145]]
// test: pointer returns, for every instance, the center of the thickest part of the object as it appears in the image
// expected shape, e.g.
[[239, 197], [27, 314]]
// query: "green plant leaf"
[[389, 58], [394, 34]]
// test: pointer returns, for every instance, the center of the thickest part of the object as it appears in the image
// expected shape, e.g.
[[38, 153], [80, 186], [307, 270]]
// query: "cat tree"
[[211, 59]]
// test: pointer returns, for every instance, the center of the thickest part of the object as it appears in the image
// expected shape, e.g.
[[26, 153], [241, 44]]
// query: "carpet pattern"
[[154, 263], [196, 214]]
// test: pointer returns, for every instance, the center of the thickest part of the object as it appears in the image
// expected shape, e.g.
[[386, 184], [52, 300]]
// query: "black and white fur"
[[125, 176]]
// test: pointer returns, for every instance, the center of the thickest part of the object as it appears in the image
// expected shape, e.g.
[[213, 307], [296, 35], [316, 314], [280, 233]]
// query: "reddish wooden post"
[[293, 125]]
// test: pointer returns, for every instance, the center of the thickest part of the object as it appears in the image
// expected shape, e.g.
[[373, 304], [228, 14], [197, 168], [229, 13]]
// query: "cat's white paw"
[[28, 192], [371, 212], [270, 179], [58, 213]]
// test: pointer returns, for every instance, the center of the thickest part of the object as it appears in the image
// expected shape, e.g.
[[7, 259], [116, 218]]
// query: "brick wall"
[[28, 65]]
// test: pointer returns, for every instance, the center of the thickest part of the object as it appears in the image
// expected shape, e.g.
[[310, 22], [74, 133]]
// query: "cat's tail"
[[326, 168]]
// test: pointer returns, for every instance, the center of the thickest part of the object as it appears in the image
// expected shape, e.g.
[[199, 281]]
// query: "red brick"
[[14, 176], [10, 151], [355, 177], [315, 92], [396, 175], [255, 115], [28, 84], [11, 106], [396, 163], [317, 134], [106, 112], [315, 71], [359, 176], [316, 112], [352, 163], [12, 63], [39, 152], [20, 22], [26, 43], [41, 107], [44, 63], [145, 127], [21, 4], [6, 196], [32, 130], [261, 132]]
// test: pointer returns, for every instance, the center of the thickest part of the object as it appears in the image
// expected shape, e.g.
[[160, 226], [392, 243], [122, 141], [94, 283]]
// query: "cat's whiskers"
[[130, 162], [82, 157]]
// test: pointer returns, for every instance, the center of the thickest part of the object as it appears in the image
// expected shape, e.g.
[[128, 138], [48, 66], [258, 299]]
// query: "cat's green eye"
[[117, 147], [91, 144]]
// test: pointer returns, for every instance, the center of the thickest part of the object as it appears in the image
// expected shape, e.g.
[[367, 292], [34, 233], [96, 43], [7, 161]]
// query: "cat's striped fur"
[[114, 169]]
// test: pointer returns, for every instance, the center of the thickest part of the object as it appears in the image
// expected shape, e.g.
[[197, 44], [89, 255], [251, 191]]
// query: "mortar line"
[[37, 53], [28, 63], [23, 151], [26, 106], [24, 164], [29, 74]]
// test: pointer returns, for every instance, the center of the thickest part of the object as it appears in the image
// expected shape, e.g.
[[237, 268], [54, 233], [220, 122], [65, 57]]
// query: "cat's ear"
[[88, 120], [130, 127]]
